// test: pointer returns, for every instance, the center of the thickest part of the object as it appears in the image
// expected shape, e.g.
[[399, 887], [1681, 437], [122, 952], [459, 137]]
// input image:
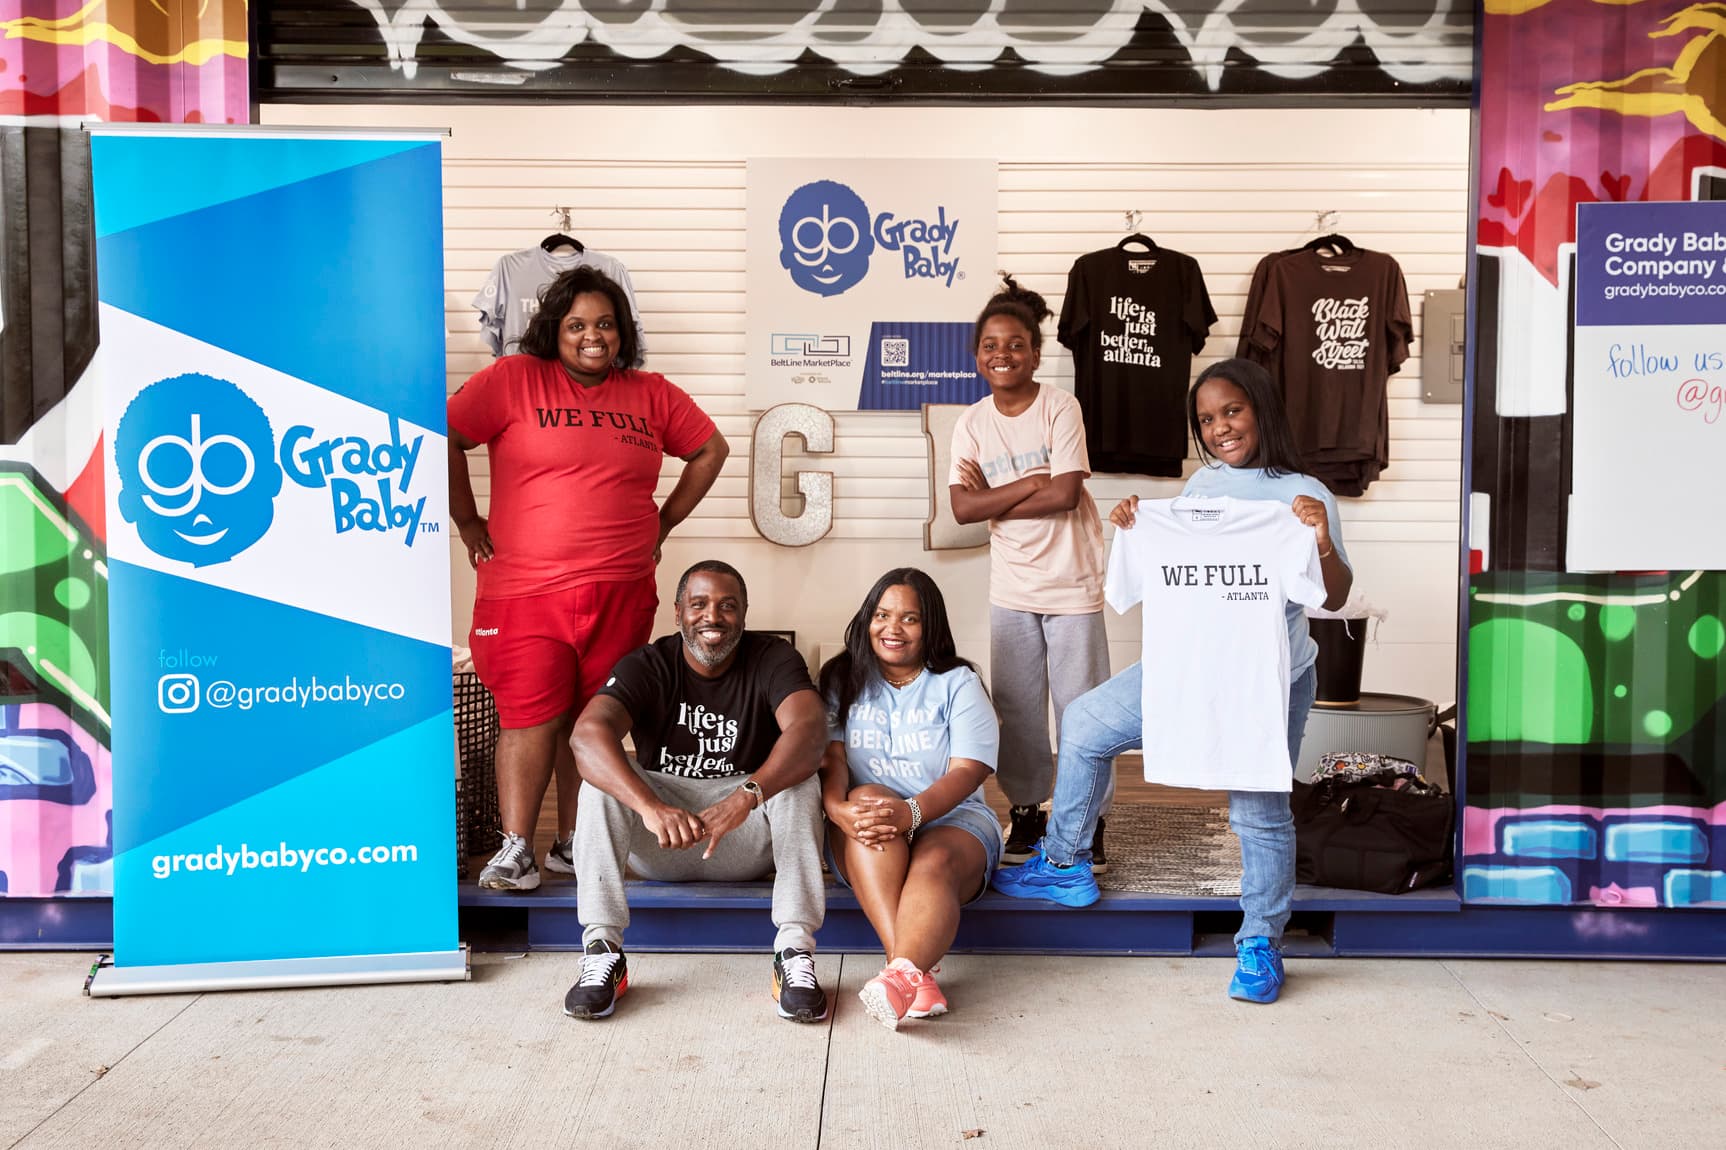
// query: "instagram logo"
[[177, 694]]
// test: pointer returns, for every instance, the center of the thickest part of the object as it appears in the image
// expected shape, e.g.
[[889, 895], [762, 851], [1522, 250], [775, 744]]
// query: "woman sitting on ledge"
[[913, 737]]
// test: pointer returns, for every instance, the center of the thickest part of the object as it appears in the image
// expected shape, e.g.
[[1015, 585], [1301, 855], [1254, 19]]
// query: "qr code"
[[895, 353]]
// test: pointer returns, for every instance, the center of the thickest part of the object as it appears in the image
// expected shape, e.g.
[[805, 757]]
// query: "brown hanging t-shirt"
[[1335, 328]]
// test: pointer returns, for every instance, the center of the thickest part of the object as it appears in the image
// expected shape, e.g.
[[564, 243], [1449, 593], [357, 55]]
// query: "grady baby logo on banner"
[[198, 475], [892, 258], [199, 472]]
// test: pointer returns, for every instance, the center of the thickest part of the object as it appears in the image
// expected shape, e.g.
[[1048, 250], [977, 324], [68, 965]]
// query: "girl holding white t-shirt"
[[1244, 438]]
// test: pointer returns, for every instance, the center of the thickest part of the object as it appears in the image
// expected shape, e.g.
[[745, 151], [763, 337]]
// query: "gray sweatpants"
[[1030, 657], [783, 835]]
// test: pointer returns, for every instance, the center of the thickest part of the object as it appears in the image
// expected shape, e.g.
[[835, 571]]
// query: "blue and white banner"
[[864, 278], [273, 357], [1649, 391]]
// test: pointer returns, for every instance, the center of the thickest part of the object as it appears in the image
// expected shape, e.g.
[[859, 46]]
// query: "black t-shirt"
[[1134, 320], [702, 728]]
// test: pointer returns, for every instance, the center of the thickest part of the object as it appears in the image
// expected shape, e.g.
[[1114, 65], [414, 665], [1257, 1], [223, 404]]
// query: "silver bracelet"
[[916, 818]]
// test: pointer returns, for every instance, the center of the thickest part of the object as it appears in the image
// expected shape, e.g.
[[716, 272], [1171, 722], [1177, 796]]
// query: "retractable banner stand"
[[272, 353]]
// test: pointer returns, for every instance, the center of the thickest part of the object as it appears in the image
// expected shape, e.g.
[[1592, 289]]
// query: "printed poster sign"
[[1650, 386], [276, 502], [864, 279]]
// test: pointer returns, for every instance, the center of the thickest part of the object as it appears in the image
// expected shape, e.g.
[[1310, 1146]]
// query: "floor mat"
[[1172, 850]]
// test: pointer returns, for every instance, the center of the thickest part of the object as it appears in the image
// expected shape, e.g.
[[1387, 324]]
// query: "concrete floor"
[[1038, 1052]]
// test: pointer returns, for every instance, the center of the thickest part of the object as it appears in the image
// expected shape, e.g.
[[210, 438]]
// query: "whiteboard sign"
[[1649, 417]]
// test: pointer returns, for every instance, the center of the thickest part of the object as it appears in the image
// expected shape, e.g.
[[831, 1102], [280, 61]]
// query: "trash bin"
[[1341, 651]]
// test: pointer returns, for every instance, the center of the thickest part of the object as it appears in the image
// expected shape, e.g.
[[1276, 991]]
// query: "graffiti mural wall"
[[1596, 703], [126, 60], [168, 62], [973, 49]]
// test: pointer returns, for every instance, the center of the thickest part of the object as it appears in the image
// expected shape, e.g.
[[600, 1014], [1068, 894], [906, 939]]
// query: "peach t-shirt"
[[1052, 565]]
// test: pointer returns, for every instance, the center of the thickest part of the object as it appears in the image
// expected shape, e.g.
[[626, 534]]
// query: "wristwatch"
[[753, 789]]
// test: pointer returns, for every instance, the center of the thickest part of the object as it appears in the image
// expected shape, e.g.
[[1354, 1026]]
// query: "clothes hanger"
[[1137, 237], [1332, 243], [552, 243], [1339, 244], [561, 239]]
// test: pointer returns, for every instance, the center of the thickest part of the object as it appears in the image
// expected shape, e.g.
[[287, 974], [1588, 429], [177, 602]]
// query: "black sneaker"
[[1024, 832], [799, 996], [604, 978], [1099, 857]]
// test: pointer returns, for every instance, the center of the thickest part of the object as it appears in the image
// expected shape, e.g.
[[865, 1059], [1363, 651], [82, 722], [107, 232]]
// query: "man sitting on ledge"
[[729, 733]]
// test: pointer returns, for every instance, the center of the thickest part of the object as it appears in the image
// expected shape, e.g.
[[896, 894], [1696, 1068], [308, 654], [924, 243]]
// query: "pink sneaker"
[[930, 1002], [890, 994]]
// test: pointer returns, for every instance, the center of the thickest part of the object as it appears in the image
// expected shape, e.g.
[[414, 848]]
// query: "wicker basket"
[[476, 728]]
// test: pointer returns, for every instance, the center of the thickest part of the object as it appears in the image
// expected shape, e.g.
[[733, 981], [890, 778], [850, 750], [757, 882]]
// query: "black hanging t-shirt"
[[1134, 320], [689, 725]]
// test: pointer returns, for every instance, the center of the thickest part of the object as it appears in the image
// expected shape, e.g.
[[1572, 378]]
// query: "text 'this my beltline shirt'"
[[686, 724], [573, 470]]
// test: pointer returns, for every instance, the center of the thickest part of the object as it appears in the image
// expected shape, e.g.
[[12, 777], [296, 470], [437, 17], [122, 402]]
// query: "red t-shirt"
[[573, 470]]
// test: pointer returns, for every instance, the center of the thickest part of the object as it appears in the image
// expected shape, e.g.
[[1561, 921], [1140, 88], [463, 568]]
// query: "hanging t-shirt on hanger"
[[1134, 320], [1333, 329], [1214, 576], [511, 293]]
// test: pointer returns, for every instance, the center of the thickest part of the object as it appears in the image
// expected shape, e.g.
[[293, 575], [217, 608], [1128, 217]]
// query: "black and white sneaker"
[[511, 868], [561, 857], [799, 996], [1099, 857], [604, 978], [1024, 831]]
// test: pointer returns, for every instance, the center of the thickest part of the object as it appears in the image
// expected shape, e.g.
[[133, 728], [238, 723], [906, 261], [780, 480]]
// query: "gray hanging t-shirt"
[[511, 293]]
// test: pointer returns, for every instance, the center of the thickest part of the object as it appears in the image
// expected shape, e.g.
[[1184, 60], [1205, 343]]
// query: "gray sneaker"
[[561, 856], [511, 868]]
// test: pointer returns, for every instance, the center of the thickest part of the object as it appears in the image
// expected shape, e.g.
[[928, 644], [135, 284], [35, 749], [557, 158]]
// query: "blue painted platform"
[[1326, 923]]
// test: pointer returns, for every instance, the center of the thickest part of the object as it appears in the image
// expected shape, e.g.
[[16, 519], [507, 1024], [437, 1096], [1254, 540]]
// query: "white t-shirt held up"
[[1214, 576]]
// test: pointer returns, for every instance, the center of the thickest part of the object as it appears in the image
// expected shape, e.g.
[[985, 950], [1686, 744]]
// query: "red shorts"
[[542, 656]]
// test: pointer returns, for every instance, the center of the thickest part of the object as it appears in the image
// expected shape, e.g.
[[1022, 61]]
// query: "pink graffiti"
[[1480, 824], [35, 835]]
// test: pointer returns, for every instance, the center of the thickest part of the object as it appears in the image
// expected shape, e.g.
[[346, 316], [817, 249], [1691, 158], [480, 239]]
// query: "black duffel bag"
[[1365, 837]]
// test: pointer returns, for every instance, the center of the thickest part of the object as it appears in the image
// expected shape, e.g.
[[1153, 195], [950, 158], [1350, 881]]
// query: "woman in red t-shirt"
[[575, 435]]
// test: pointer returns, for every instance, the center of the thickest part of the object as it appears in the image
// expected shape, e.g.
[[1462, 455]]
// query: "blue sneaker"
[[1258, 971], [1037, 877]]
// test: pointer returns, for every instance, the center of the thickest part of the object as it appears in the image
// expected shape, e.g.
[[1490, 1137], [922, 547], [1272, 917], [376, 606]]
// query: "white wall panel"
[[662, 189]]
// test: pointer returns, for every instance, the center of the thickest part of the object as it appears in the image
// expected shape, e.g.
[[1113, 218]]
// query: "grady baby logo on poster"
[[198, 475], [827, 236]]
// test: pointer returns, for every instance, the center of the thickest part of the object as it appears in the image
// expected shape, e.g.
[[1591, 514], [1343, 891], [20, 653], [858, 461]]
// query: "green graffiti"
[[1707, 637], [1577, 612], [72, 594], [1527, 682], [1616, 622], [53, 599], [1657, 723], [1620, 691]]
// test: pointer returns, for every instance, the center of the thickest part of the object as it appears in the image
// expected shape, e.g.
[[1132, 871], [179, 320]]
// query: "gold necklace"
[[905, 682]]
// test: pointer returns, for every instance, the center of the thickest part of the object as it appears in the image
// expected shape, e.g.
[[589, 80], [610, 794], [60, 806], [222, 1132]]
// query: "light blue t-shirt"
[[903, 738], [1253, 483]]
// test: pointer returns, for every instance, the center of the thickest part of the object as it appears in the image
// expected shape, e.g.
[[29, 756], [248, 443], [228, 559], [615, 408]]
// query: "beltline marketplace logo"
[[826, 237], [199, 473]]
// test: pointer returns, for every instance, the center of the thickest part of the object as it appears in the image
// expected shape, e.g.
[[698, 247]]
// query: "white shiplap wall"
[[662, 188]]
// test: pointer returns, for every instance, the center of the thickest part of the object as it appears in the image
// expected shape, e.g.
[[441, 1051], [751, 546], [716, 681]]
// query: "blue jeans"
[[1102, 723]]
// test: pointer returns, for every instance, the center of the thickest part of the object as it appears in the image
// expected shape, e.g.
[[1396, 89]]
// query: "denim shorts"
[[975, 819]]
